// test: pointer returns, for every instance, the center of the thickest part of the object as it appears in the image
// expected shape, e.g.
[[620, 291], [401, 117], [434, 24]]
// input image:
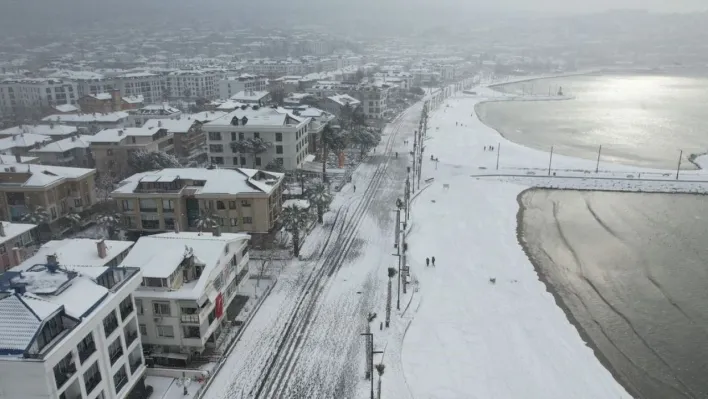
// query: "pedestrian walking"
[[355, 188], [433, 259], [427, 262], [485, 148]]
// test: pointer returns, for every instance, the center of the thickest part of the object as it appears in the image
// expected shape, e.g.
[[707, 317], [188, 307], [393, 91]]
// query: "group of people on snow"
[[488, 148], [427, 261]]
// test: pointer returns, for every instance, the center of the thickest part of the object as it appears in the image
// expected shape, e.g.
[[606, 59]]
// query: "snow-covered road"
[[304, 340]]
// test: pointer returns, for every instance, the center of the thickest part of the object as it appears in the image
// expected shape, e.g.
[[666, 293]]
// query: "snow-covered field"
[[471, 338]]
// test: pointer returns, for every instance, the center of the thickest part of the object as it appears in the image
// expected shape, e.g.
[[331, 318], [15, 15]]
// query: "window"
[[109, 152], [53, 212], [215, 136], [217, 160], [110, 323], [220, 205], [139, 306], [148, 205], [235, 161], [120, 379], [278, 149], [115, 350], [161, 308], [86, 347], [243, 161], [258, 161], [240, 136], [216, 148], [191, 331], [256, 135], [279, 137], [245, 203], [232, 204], [168, 205], [92, 377], [143, 329], [233, 136], [165, 331], [247, 220], [234, 221]]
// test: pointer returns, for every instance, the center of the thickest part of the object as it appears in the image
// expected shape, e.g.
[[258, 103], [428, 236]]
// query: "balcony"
[[86, 352], [130, 337], [120, 384], [92, 382], [110, 325], [62, 375], [116, 355], [126, 310]]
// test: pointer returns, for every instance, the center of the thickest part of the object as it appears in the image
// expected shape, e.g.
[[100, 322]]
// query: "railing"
[[116, 355], [190, 318], [148, 210], [93, 382], [121, 384], [130, 337], [125, 311], [87, 351], [62, 376]]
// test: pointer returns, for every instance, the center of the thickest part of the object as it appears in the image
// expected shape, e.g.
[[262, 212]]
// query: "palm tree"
[[391, 273], [241, 146], [294, 220], [258, 146], [75, 221], [380, 370], [39, 216], [320, 197], [206, 220]]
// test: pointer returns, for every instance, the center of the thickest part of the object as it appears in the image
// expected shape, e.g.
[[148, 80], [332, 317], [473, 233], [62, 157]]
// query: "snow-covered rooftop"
[[297, 203], [160, 255], [259, 116], [227, 105], [76, 253], [77, 75], [155, 109], [216, 181], [111, 117], [42, 175], [101, 96], [139, 99], [116, 135], [206, 116], [11, 159], [66, 144], [22, 140], [249, 96], [11, 230], [344, 99], [66, 108], [180, 125]]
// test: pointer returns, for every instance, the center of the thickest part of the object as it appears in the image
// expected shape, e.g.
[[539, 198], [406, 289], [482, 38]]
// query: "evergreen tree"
[[295, 220], [144, 161], [320, 198]]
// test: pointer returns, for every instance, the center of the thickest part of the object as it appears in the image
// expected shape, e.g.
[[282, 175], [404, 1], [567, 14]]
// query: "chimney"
[[2, 229], [52, 263], [217, 231], [102, 249], [16, 258]]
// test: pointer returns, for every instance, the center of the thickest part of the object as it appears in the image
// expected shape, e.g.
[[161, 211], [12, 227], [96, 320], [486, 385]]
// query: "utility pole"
[[408, 193], [372, 352], [597, 166], [678, 168], [369, 373], [550, 161], [498, 151], [403, 259]]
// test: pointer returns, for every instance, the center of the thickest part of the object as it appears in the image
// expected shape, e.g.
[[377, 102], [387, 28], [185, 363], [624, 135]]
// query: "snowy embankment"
[[474, 338]]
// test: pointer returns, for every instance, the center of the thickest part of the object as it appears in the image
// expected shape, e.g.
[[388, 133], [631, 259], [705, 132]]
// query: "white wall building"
[[246, 82], [193, 84], [86, 82], [91, 123], [151, 86], [286, 132], [189, 281], [70, 332], [36, 93]]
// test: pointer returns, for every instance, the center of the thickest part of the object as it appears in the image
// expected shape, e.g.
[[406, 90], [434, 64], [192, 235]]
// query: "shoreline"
[[559, 299], [691, 157]]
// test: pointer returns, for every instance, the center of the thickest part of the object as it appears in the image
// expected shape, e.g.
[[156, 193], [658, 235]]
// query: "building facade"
[[15, 241], [111, 148], [238, 200], [26, 95], [234, 84]]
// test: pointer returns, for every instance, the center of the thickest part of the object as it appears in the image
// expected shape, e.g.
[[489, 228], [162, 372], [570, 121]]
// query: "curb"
[[204, 388]]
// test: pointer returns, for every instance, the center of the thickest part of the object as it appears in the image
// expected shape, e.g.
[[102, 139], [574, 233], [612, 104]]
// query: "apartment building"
[[189, 282], [70, 332], [91, 123], [21, 144], [318, 120], [193, 84], [71, 151], [35, 93], [275, 68], [15, 240], [111, 148], [238, 200], [335, 104], [286, 133], [79, 253], [149, 85], [59, 190], [139, 116], [373, 99], [252, 97], [245, 82], [87, 82], [189, 137], [108, 102]]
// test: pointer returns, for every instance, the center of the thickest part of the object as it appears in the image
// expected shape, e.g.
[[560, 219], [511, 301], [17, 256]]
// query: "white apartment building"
[[35, 93], [245, 82], [189, 281], [86, 82], [373, 100], [193, 84], [70, 332], [276, 68], [286, 133], [151, 86], [111, 148]]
